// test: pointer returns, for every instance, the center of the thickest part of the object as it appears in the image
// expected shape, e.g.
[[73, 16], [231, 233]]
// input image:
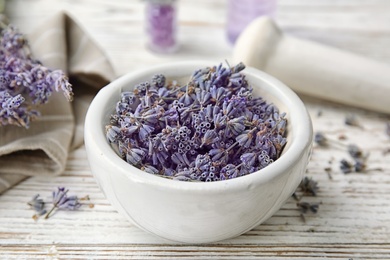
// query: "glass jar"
[[241, 12], [161, 25]]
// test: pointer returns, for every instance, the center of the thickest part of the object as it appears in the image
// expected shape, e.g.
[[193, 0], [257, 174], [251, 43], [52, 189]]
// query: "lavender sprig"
[[309, 187], [305, 207], [24, 82], [62, 201], [210, 129]]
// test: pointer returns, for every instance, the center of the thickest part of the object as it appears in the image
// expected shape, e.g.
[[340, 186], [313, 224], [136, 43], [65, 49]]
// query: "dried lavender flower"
[[328, 171], [38, 205], [346, 166], [320, 139], [304, 207], [351, 120], [209, 129], [360, 165], [61, 200], [309, 186], [355, 151], [24, 82]]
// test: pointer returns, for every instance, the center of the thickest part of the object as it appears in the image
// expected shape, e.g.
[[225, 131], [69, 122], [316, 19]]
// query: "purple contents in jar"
[[161, 26]]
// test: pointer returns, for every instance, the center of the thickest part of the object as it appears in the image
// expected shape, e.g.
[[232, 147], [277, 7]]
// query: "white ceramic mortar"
[[195, 212]]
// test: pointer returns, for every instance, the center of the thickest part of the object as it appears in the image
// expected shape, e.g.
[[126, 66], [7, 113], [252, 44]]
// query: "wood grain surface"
[[353, 221]]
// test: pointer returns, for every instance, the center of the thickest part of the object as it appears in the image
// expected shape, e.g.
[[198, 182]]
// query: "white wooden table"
[[353, 221]]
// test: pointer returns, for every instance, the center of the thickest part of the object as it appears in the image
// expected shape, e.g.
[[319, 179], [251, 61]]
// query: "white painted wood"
[[354, 218]]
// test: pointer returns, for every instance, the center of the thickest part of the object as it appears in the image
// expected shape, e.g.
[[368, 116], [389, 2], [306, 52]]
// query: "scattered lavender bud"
[[345, 166], [209, 129], [355, 151], [304, 207], [309, 186], [328, 171], [351, 120], [38, 205], [320, 139], [24, 82], [360, 165]]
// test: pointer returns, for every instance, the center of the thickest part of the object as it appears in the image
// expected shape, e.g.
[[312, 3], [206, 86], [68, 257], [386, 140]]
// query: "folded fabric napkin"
[[42, 149]]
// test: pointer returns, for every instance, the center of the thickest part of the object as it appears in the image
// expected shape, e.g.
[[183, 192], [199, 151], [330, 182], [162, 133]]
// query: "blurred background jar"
[[241, 12], [161, 25]]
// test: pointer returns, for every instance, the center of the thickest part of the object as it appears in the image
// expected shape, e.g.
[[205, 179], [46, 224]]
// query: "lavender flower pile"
[[209, 129], [24, 82]]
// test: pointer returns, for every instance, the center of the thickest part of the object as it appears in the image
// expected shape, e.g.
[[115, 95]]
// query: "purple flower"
[[158, 81], [320, 139], [218, 94], [144, 131], [304, 207], [217, 153], [248, 159], [309, 186], [235, 126], [59, 80], [149, 169], [355, 151], [38, 205], [134, 156], [210, 137], [345, 166], [264, 159], [360, 165], [180, 159], [230, 171], [61, 200], [209, 129], [24, 82], [112, 133], [245, 139], [202, 162], [203, 97]]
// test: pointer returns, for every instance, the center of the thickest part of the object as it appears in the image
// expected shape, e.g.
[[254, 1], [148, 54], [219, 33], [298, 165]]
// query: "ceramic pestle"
[[314, 69]]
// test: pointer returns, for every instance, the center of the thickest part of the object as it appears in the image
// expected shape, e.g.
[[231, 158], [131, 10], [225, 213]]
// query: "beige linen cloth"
[[60, 43]]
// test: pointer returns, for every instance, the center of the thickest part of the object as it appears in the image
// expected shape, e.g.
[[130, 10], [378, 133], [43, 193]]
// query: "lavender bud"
[[206, 130], [24, 82]]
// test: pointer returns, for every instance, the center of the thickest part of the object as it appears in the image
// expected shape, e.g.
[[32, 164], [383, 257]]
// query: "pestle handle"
[[314, 69]]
